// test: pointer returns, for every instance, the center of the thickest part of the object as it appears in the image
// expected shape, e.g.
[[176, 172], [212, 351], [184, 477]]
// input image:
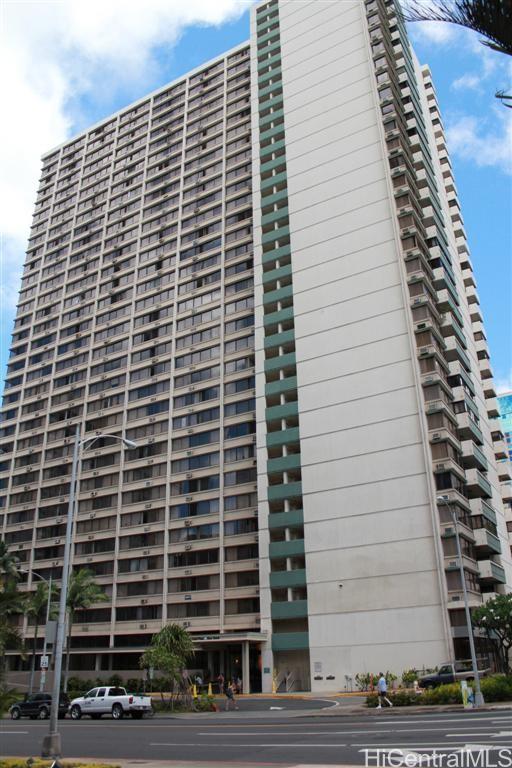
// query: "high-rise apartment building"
[[505, 409], [260, 274]]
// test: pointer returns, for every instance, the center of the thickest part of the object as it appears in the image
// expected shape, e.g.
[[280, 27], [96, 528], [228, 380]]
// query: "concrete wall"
[[374, 589]]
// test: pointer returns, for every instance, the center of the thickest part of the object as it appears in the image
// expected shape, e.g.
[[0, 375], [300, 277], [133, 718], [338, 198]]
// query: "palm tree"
[[169, 652], [82, 593], [12, 603], [490, 18], [9, 565], [36, 607]]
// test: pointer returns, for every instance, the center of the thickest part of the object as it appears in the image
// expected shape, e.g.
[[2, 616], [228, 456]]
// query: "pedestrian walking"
[[220, 682], [230, 696], [382, 689]]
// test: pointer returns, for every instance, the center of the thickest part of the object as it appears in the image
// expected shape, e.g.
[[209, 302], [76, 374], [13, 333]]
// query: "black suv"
[[38, 706]]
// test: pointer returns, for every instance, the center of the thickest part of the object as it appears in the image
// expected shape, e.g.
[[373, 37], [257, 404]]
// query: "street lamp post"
[[48, 603], [479, 699], [52, 746]]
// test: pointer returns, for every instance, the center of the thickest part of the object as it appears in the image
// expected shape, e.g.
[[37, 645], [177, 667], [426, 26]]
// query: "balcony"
[[492, 407], [506, 491], [485, 368], [454, 351], [481, 507], [292, 518], [290, 641], [295, 578], [504, 471], [468, 430], [473, 457], [490, 572], [500, 449], [284, 491], [486, 542], [281, 549], [293, 609], [478, 485]]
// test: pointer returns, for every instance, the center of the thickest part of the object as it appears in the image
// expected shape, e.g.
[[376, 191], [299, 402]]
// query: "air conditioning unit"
[[188, 546], [143, 601], [143, 626]]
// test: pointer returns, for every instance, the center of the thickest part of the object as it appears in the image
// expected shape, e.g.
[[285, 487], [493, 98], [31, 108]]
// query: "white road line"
[[237, 745], [427, 745], [358, 731], [12, 733]]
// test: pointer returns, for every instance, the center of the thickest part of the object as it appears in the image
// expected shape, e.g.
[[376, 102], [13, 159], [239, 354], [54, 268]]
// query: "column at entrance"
[[246, 674]]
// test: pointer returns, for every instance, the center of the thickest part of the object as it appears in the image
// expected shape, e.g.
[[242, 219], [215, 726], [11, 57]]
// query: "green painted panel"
[[282, 385], [281, 361], [488, 512], [288, 519], [264, 135], [276, 234], [279, 549], [276, 59], [290, 641], [277, 197], [279, 338], [295, 578], [293, 609], [271, 116], [276, 70], [272, 164], [268, 103], [284, 463], [283, 436], [274, 47], [284, 491], [278, 317], [278, 295], [281, 411], [277, 274], [269, 88], [276, 253], [262, 38], [268, 218], [277, 179]]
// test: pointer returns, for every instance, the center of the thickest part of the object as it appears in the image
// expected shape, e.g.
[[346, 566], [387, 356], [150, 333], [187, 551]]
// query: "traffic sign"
[[44, 662]]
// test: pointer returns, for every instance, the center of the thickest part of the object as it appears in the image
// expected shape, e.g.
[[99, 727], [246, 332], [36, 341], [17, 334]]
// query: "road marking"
[[237, 745], [425, 745], [342, 732], [12, 733]]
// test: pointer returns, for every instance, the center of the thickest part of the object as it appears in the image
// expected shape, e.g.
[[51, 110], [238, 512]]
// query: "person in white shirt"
[[382, 689]]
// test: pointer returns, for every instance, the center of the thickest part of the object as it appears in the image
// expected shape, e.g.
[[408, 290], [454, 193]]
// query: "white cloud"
[[436, 32], [56, 52], [468, 82], [483, 142], [504, 385]]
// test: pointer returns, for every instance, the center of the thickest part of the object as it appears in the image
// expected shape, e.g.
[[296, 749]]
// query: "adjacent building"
[[259, 274]]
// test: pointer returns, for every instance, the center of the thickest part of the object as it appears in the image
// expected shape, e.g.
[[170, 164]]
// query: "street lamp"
[[52, 746], [479, 699], [48, 603]]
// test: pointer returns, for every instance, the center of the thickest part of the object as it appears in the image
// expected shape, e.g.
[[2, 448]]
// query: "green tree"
[[12, 604], [490, 18], [169, 653], [36, 607], [82, 593], [496, 618], [9, 565]]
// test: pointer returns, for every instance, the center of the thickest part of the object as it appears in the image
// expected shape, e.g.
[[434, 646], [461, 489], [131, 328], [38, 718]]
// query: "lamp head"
[[129, 443]]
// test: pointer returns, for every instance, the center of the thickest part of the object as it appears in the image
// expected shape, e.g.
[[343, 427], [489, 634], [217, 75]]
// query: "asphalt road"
[[276, 739]]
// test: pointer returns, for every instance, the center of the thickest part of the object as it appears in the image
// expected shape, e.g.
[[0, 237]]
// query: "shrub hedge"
[[494, 688]]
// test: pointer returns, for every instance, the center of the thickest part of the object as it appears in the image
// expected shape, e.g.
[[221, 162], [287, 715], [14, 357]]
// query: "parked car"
[[450, 673], [111, 700], [38, 706]]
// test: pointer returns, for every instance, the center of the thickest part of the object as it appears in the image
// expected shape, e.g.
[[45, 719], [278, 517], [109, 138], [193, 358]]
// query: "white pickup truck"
[[112, 701]]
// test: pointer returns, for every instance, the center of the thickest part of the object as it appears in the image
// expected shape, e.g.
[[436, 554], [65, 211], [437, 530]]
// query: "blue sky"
[[70, 68]]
